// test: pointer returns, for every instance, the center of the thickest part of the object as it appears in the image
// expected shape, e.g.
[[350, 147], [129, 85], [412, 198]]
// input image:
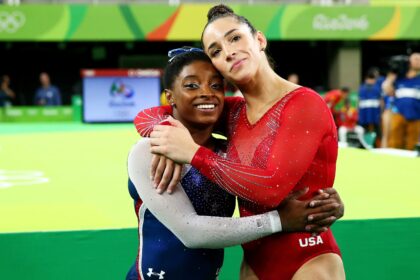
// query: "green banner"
[[185, 22], [38, 114]]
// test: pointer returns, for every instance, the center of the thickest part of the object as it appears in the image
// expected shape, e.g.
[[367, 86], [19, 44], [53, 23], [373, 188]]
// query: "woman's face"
[[233, 49], [198, 94]]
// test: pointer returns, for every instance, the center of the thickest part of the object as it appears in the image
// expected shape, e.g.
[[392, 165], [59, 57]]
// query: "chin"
[[242, 77]]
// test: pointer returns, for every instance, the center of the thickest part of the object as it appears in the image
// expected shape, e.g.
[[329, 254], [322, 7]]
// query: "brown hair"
[[222, 11]]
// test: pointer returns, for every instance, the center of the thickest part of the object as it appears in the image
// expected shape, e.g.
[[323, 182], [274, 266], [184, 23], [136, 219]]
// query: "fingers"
[[330, 191], [156, 133], [158, 150], [167, 175], [327, 222], [297, 194], [175, 122], [153, 166], [320, 196], [317, 203], [176, 178], [317, 217], [315, 230], [160, 169], [325, 207]]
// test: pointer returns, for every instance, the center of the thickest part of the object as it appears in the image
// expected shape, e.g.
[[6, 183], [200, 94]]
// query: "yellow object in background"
[[163, 100]]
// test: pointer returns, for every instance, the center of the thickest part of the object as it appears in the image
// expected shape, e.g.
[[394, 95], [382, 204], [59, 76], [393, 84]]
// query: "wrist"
[[194, 148]]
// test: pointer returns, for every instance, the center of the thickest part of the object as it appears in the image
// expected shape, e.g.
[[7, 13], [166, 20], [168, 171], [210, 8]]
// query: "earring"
[[262, 49]]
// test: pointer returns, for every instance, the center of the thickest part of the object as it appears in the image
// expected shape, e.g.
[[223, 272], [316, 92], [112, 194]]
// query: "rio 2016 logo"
[[11, 22], [121, 89]]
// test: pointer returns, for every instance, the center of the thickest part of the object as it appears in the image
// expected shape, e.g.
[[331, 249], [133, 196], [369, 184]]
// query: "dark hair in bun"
[[221, 11]]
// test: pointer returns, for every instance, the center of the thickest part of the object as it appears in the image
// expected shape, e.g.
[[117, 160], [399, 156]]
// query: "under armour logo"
[[150, 273]]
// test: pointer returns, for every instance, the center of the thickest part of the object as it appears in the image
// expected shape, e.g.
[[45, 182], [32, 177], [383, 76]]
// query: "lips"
[[236, 64]]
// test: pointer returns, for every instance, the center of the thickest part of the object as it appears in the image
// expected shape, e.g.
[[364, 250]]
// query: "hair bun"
[[218, 11]]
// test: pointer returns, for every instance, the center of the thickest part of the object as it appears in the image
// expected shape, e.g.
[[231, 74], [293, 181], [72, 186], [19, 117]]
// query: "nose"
[[230, 53], [207, 92]]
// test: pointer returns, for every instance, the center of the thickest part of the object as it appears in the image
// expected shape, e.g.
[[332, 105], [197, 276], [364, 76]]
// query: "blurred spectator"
[[47, 94], [6, 93], [294, 78], [11, 2], [347, 117], [370, 94], [405, 120], [332, 98]]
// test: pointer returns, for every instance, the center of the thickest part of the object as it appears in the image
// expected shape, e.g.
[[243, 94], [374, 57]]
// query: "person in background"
[[405, 119], [6, 93], [370, 98], [294, 78], [47, 94], [333, 98]]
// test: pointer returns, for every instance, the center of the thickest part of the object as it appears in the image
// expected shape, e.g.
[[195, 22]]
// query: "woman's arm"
[[304, 123], [148, 118], [176, 212]]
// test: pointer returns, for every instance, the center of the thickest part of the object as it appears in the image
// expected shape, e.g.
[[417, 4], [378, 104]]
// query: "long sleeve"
[[148, 118], [176, 212], [304, 122]]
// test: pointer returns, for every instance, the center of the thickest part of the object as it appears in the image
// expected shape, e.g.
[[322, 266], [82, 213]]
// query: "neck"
[[412, 73], [263, 91], [201, 134]]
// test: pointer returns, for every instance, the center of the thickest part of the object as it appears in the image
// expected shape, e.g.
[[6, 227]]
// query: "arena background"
[[65, 211]]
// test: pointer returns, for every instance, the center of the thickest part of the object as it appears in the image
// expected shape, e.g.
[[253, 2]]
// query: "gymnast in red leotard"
[[282, 138]]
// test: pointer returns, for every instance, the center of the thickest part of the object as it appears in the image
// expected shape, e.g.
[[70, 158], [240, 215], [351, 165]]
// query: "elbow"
[[192, 243], [190, 239]]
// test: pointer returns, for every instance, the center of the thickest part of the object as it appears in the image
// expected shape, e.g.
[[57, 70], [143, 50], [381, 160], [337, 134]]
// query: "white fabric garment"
[[177, 213]]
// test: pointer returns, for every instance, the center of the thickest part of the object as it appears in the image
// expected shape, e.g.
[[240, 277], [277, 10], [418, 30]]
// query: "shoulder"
[[304, 94]]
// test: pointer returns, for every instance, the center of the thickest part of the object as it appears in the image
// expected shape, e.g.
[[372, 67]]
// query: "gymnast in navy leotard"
[[188, 246]]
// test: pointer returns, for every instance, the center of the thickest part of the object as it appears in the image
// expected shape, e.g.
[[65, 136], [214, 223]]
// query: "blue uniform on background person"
[[370, 95], [47, 94]]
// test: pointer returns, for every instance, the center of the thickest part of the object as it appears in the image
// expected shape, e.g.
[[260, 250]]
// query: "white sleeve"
[[177, 213]]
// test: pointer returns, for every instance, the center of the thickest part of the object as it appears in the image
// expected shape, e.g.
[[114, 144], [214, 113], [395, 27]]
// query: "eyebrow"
[[189, 77], [226, 34]]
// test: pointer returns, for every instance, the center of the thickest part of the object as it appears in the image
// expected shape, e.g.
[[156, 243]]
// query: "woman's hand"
[[165, 173], [173, 141], [327, 207], [314, 215]]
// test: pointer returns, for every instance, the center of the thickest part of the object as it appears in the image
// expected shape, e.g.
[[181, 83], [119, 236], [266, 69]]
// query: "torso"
[[157, 244], [279, 256]]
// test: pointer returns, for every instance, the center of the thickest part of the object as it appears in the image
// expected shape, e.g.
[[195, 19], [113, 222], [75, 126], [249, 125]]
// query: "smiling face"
[[233, 49], [198, 95]]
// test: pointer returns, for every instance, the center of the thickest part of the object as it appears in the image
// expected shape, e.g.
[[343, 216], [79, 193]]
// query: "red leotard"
[[292, 146]]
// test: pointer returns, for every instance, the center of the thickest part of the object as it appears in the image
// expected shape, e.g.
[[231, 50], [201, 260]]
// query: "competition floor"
[[65, 212]]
